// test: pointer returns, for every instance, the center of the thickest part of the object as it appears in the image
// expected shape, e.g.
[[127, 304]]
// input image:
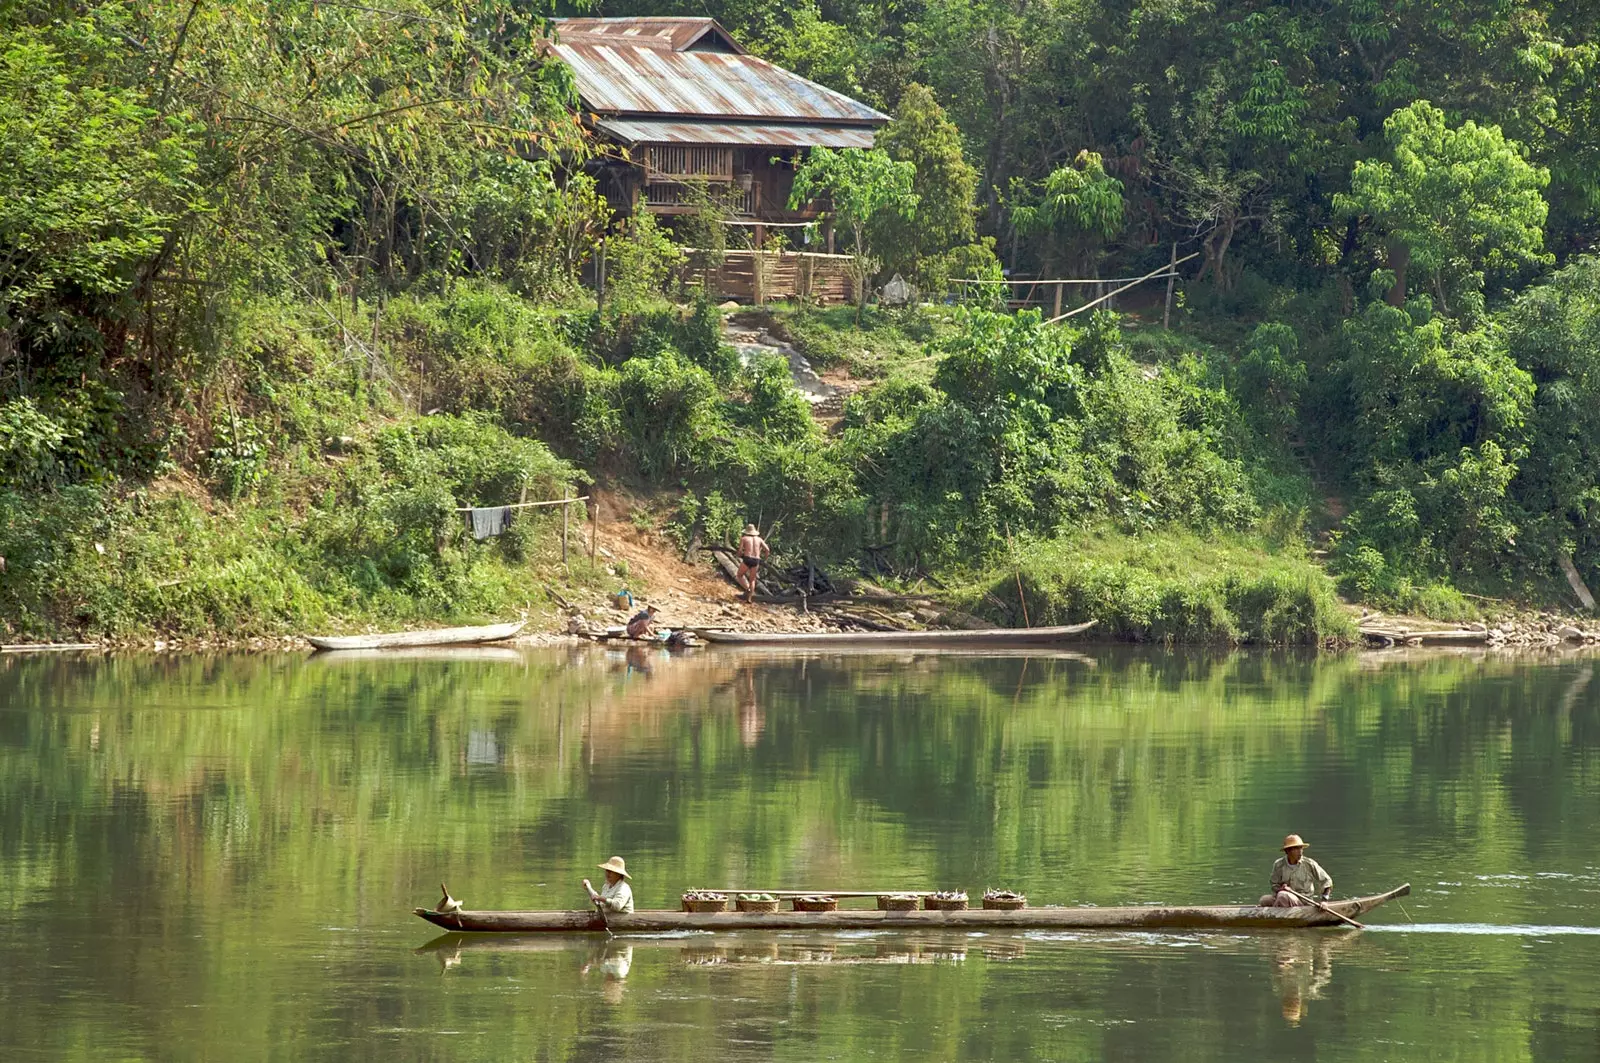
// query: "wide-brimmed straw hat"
[[615, 864], [750, 529], [1294, 841]]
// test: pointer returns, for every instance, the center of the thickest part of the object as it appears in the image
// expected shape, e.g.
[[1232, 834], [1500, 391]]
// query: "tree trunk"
[[1399, 255]]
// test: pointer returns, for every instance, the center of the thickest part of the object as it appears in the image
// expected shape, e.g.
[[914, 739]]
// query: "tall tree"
[[944, 185]]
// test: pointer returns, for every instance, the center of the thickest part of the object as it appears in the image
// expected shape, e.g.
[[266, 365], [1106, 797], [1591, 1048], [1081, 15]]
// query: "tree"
[[944, 184], [862, 189], [1457, 203], [1080, 203]]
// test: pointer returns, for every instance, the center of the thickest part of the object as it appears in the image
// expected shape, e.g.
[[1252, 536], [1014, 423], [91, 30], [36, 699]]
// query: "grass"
[[1169, 586], [888, 342]]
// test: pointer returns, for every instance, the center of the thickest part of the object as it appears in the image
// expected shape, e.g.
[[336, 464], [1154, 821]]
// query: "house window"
[[685, 162]]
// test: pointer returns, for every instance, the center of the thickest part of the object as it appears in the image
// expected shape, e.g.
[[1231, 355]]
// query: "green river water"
[[216, 858]]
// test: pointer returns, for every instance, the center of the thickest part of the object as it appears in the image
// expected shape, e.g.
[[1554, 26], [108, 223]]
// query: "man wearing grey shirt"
[[1296, 871]]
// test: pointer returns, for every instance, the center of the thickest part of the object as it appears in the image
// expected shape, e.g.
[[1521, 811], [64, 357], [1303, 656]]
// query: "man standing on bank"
[[1296, 871], [616, 895], [753, 549]]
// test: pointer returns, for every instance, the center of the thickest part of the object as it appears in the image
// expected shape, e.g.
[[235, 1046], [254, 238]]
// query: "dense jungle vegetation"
[[283, 283]]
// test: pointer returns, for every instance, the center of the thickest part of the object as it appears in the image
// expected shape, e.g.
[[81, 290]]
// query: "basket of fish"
[[946, 901], [897, 902], [705, 901], [756, 902], [1004, 901]]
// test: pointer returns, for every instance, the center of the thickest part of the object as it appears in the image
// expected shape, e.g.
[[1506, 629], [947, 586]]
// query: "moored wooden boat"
[[996, 637], [1212, 917], [441, 636]]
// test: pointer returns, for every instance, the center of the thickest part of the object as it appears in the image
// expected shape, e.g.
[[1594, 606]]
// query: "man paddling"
[[616, 895], [1296, 871]]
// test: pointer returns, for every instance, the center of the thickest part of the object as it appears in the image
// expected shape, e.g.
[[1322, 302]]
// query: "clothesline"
[[526, 505]]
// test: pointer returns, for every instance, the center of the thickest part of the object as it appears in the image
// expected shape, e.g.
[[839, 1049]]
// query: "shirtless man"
[[753, 549]]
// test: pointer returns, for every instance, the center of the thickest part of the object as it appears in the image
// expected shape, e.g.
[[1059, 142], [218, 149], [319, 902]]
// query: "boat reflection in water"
[[614, 958]]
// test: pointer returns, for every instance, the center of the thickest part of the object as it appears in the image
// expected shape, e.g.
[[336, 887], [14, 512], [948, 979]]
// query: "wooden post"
[[565, 511], [1057, 311], [1172, 266], [758, 263], [594, 528], [600, 277]]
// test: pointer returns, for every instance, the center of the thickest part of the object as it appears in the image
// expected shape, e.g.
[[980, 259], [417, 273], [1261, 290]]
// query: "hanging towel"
[[489, 521]]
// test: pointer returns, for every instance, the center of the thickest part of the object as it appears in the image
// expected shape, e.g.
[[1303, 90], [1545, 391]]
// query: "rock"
[[1568, 633], [729, 305]]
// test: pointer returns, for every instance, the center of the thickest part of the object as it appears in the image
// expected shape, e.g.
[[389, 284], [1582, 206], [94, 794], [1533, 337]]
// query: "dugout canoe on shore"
[[439, 636], [998, 638], [1213, 917]]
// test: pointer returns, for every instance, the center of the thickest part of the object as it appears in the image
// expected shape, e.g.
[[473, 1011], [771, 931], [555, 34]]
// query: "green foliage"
[[864, 190], [1461, 202], [1080, 203], [943, 184], [669, 411], [30, 444], [1168, 587], [640, 261]]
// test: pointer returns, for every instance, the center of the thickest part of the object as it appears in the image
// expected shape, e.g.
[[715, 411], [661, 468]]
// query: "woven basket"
[[1001, 904], [718, 905], [816, 904], [897, 902], [756, 906], [945, 904]]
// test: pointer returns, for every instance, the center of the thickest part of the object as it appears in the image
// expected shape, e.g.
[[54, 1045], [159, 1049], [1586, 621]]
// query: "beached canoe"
[[991, 637], [1216, 917], [441, 636]]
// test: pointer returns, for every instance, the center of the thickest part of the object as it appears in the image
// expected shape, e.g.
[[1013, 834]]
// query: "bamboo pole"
[[594, 529], [828, 893], [1172, 277], [566, 512], [1125, 287]]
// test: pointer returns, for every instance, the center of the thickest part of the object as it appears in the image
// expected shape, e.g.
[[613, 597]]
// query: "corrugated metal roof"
[[675, 34], [762, 134], [627, 79]]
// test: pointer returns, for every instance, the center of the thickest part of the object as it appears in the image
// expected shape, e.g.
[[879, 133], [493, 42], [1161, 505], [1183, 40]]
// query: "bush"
[[1169, 586]]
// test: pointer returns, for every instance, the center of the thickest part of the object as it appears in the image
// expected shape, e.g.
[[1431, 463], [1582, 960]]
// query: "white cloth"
[[617, 897]]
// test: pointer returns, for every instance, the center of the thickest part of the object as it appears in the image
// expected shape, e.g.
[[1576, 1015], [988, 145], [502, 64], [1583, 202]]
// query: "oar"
[[1324, 907], [600, 909]]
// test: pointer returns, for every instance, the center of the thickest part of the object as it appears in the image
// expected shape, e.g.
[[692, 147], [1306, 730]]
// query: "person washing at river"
[[616, 895], [642, 626], [753, 549], [1296, 871]]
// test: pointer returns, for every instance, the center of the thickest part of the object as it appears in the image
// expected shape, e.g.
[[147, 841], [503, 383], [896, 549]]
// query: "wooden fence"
[[763, 276]]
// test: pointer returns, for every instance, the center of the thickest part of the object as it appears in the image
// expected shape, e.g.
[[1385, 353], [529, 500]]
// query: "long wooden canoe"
[[1215, 917], [996, 637], [439, 636]]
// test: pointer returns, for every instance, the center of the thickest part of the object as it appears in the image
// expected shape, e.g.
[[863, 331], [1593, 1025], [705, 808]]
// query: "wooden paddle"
[[1324, 907]]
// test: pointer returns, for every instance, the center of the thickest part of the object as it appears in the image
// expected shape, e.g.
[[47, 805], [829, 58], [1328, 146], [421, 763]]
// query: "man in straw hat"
[[616, 896], [753, 549], [1296, 871]]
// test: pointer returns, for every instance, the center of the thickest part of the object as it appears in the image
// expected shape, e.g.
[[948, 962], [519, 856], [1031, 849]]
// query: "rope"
[[527, 505]]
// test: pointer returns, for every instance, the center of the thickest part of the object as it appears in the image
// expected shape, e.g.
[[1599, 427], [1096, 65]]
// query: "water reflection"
[[204, 856]]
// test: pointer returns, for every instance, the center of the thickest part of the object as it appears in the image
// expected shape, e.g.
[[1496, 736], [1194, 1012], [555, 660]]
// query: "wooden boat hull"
[[1217, 917], [443, 636], [1000, 637]]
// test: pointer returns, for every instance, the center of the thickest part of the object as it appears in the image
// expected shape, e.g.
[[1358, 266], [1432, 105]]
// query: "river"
[[216, 857]]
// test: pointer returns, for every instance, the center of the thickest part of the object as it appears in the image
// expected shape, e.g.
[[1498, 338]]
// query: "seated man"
[[616, 895], [642, 624], [1296, 871]]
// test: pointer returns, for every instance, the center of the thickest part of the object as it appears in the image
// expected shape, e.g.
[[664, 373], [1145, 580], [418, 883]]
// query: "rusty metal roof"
[[674, 34], [633, 80], [661, 68], [738, 134]]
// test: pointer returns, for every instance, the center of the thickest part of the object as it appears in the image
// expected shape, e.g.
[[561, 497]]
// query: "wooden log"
[[1379, 635], [1575, 581]]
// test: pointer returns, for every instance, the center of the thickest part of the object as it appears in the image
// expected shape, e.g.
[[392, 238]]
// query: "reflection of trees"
[[162, 796]]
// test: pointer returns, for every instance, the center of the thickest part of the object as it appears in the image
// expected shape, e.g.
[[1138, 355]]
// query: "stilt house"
[[697, 116]]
